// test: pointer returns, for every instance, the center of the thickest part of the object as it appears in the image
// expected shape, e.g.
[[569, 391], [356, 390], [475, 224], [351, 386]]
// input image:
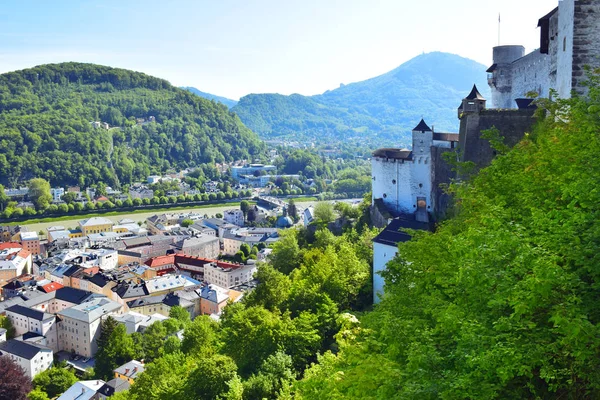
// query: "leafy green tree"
[[115, 348], [164, 379], [180, 314], [37, 394], [323, 212], [210, 379], [275, 374], [187, 222], [244, 206], [245, 249], [200, 336], [69, 197], [54, 381], [39, 193], [154, 337], [286, 255], [273, 289]]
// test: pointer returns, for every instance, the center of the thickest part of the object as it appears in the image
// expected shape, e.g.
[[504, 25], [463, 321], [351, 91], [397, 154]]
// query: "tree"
[[180, 314], [200, 336], [273, 289], [245, 249], [154, 337], [6, 324], [164, 379], [244, 206], [37, 394], [39, 193], [323, 212], [115, 348], [210, 379], [218, 215], [275, 374], [14, 384], [69, 197], [187, 222], [286, 255], [292, 210], [54, 381], [252, 215]]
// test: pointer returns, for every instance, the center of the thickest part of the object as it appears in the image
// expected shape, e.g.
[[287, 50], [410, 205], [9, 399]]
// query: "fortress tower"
[[569, 41]]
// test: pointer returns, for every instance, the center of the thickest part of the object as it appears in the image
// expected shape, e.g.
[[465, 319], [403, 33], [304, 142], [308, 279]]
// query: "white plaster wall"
[[396, 196], [421, 176], [531, 74], [564, 58], [381, 255]]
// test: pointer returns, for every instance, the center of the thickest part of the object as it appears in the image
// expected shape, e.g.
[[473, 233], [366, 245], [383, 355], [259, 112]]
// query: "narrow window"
[[565, 43]]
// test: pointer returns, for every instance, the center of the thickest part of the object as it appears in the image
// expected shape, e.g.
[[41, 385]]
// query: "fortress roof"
[[398, 154], [422, 126], [475, 95]]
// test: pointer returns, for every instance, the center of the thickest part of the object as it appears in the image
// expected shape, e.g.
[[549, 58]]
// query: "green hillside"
[[388, 106], [45, 126], [228, 102]]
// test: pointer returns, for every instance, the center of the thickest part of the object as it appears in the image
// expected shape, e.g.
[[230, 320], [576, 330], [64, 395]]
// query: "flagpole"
[[498, 29]]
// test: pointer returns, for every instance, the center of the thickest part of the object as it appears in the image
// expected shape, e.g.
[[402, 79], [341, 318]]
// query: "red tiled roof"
[[10, 245], [23, 253], [102, 198], [160, 261], [51, 287]]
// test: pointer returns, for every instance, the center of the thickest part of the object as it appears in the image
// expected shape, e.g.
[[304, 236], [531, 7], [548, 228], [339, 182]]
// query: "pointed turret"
[[422, 127], [475, 95], [473, 103]]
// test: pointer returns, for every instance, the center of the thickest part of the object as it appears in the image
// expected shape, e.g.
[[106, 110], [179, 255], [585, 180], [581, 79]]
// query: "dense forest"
[[228, 102], [386, 107], [46, 131]]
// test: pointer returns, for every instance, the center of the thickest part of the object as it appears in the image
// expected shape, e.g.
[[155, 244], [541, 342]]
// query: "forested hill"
[[46, 131], [430, 86], [228, 102]]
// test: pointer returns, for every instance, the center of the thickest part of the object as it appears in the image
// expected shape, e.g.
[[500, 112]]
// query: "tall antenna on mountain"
[[498, 29]]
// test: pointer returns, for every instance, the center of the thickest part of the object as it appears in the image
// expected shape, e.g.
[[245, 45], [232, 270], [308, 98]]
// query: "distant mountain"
[[388, 106], [228, 102]]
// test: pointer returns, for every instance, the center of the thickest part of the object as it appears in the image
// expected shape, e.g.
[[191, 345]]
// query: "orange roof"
[[23, 253], [102, 198], [51, 287], [92, 270], [160, 261], [10, 245]]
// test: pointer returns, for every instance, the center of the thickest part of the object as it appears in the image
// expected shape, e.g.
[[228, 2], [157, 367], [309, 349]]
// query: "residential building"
[[136, 322], [14, 261], [32, 358], [10, 233], [115, 385], [2, 335], [214, 298], [30, 242], [82, 390], [79, 328], [129, 371], [95, 225], [233, 240], [234, 216], [205, 246], [57, 193], [251, 169], [25, 319], [228, 275]]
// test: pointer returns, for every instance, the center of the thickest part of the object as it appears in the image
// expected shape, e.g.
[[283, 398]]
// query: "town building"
[[251, 169], [82, 390], [14, 261], [228, 275], [57, 194], [233, 240], [129, 371], [204, 246], [95, 225], [30, 242], [32, 358], [79, 327], [234, 216]]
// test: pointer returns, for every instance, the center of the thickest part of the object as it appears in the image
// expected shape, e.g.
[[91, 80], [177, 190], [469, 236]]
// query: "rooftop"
[[29, 312], [95, 221], [91, 310], [21, 349], [394, 233]]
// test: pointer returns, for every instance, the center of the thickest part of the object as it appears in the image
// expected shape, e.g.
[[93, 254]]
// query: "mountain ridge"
[[430, 85], [209, 96]]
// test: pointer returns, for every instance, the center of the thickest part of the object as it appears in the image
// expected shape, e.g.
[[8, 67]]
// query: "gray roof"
[[131, 369], [22, 349], [394, 233], [91, 310], [29, 312]]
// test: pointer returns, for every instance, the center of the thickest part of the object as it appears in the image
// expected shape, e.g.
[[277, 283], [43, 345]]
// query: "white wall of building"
[[564, 56], [381, 255]]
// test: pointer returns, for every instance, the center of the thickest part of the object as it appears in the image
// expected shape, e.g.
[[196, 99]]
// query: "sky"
[[233, 48]]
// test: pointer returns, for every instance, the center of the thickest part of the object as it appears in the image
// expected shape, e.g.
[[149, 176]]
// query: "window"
[[393, 181], [565, 43], [384, 195]]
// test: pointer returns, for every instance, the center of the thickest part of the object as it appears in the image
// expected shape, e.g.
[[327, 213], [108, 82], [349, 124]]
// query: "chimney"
[[134, 370], [126, 371]]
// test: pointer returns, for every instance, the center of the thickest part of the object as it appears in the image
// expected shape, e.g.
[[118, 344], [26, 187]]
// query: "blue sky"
[[232, 48]]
